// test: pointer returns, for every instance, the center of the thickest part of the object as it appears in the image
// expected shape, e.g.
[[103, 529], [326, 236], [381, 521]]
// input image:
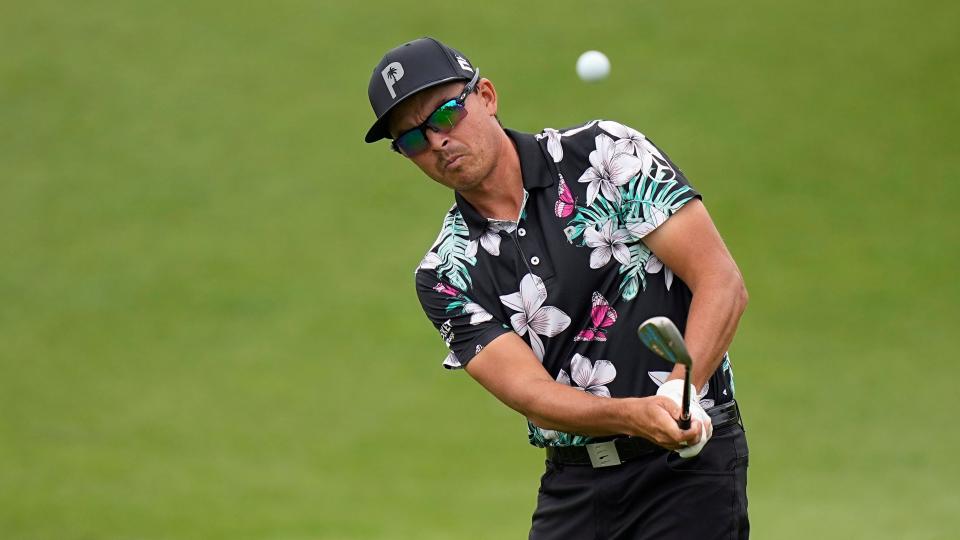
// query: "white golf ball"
[[593, 66]]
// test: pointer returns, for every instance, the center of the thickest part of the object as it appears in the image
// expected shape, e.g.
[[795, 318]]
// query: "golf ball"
[[593, 66]]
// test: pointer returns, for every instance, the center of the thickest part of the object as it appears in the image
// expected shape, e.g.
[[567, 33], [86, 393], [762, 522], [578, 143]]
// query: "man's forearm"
[[563, 408], [508, 369], [712, 322]]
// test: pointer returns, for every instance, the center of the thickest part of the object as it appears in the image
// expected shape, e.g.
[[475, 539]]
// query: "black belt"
[[616, 451]]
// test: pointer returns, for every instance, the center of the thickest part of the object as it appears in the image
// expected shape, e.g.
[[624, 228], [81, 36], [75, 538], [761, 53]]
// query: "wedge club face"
[[662, 337]]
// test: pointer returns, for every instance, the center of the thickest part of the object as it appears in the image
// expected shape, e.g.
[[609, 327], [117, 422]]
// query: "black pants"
[[657, 496]]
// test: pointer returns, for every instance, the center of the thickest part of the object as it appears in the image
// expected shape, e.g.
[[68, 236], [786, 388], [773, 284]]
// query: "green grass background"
[[207, 322]]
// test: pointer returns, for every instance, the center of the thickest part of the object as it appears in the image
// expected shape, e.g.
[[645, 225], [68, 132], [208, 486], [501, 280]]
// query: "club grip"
[[684, 422]]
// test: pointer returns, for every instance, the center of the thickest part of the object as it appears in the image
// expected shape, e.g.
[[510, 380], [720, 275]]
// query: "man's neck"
[[500, 194]]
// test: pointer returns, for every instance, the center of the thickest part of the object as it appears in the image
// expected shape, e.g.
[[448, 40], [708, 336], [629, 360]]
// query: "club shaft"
[[684, 421], [663, 337]]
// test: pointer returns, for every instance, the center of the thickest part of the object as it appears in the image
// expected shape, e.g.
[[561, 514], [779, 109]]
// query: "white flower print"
[[554, 147], [610, 170], [590, 377], [654, 265], [630, 141], [660, 377], [627, 137], [476, 311], [574, 131], [490, 238], [451, 361], [606, 242], [553, 144], [490, 241], [548, 434], [477, 314], [541, 320], [639, 228], [430, 261], [654, 217]]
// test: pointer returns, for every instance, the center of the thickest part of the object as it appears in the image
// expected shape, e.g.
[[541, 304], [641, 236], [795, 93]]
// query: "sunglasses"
[[442, 120]]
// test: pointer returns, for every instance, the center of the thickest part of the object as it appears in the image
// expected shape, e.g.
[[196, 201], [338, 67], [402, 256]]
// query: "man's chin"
[[460, 180]]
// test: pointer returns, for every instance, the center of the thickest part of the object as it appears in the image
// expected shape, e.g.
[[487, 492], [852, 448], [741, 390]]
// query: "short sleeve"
[[465, 326], [659, 189]]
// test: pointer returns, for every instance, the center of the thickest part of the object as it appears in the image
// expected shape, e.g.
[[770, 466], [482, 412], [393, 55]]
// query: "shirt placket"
[[531, 248]]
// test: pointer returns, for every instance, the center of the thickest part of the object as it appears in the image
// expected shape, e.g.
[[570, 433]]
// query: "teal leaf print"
[[548, 437], [634, 277], [452, 249], [645, 198], [590, 217], [646, 204], [642, 203], [728, 369]]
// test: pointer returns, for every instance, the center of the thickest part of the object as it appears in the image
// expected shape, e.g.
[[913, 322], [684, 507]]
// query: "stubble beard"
[[466, 176], [475, 172]]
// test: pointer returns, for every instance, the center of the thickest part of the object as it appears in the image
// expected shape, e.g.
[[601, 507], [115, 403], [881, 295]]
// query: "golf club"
[[661, 336]]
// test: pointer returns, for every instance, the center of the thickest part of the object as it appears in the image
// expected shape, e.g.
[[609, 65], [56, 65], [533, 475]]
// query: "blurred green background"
[[208, 327]]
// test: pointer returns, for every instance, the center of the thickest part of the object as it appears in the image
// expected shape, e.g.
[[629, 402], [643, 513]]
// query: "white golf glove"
[[673, 389]]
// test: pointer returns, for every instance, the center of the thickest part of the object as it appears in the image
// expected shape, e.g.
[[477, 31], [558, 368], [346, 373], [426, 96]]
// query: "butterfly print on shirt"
[[565, 201], [602, 316]]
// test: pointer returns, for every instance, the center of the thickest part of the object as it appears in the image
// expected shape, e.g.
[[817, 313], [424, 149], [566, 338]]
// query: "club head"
[[661, 336]]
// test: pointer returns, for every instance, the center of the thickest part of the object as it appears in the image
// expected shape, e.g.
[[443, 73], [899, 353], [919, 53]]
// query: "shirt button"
[[521, 231], [534, 260]]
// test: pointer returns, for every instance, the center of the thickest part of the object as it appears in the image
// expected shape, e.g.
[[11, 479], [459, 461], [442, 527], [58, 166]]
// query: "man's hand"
[[673, 389], [657, 422]]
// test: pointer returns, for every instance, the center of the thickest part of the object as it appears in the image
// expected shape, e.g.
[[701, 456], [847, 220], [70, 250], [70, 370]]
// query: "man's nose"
[[436, 139]]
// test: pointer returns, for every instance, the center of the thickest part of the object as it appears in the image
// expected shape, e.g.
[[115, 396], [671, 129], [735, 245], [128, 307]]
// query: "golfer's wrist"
[[636, 417], [625, 415]]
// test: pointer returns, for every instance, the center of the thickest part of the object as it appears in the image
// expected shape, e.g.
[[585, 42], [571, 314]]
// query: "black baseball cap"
[[408, 69]]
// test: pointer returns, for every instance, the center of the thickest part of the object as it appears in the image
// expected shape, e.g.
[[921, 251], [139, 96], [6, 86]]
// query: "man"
[[557, 247]]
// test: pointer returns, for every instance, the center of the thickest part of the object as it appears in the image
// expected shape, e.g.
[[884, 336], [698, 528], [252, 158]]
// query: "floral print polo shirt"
[[572, 276]]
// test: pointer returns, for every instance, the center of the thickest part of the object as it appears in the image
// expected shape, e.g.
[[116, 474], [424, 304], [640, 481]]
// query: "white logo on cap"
[[391, 74], [464, 64]]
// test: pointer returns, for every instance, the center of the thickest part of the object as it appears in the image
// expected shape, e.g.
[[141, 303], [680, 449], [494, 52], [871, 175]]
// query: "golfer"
[[557, 247]]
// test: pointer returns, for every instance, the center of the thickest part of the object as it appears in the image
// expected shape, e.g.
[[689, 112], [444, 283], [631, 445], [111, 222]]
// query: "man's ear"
[[488, 94]]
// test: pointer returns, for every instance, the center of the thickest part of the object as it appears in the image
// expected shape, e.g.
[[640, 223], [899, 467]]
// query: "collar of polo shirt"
[[534, 168]]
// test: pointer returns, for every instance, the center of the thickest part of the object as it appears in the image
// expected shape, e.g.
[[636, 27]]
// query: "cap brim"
[[379, 129]]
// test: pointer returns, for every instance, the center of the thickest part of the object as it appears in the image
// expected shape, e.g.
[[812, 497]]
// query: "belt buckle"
[[603, 454]]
